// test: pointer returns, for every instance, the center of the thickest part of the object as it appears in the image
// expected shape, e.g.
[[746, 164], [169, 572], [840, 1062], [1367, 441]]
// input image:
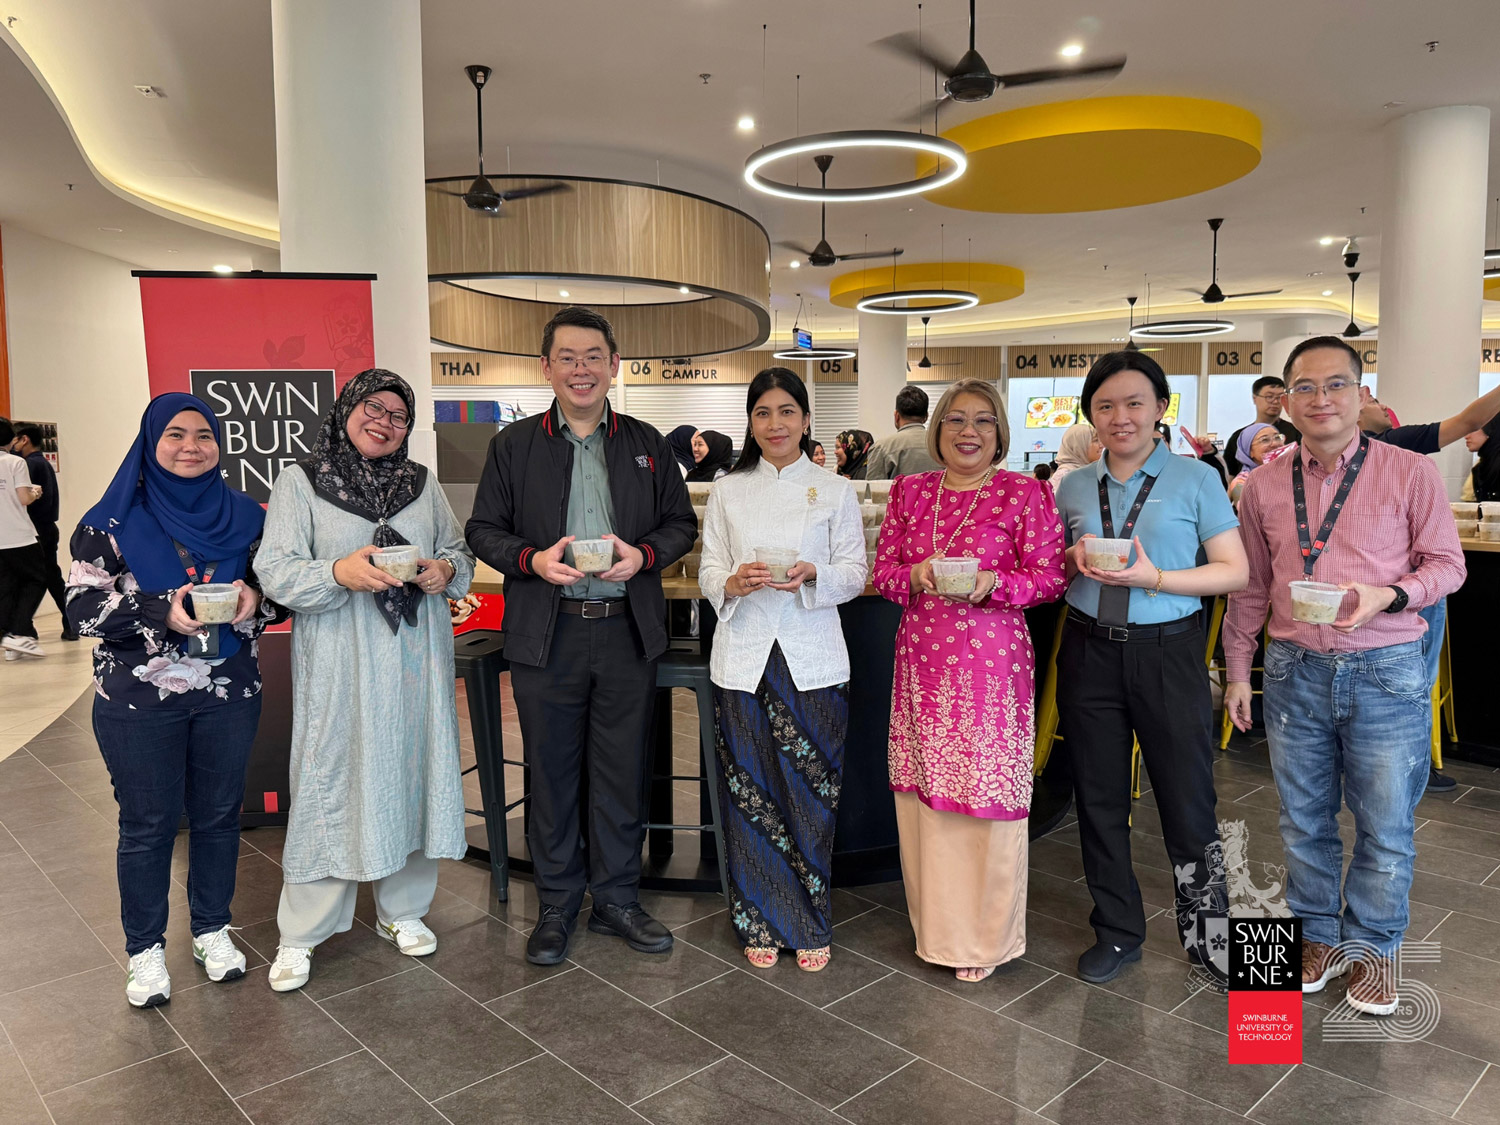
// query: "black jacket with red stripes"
[[521, 507]]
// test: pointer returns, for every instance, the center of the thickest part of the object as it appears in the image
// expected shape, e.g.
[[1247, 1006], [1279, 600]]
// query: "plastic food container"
[[593, 555], [698, 491], [1465, 510], [400, 562], [872, 536], [880, 491], [777, 560], [1490, 532], [1316, 603], [215, 603], [1467, 529], [955, 576], [1107, 554]]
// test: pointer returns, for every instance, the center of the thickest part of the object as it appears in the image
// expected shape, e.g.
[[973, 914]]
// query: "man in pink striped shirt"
[[1347, 703]]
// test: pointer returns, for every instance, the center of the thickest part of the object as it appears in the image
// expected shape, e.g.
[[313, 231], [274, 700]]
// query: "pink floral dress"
[[962, 724]]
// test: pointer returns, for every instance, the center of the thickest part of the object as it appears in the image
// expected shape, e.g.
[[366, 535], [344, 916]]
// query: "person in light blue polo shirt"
[[1131, 666]]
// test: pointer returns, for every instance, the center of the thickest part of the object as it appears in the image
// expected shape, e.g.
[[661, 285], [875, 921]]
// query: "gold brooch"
[[812, 496]]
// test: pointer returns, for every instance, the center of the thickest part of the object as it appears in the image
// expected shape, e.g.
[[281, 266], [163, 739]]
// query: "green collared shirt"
[[591, 510]]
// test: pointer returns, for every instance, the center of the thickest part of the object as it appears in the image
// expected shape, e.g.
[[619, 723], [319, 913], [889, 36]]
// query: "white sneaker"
[[291, 968], [219, 956], [411, 937], [23, 646], [9, 655], [147, 983]]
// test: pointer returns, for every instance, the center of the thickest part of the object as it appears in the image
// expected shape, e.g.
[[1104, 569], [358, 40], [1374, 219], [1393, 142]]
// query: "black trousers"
[[23, 581], [1157, 691], [589, 708], [47, 538]]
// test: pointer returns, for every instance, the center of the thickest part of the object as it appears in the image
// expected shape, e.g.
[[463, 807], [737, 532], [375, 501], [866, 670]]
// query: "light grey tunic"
[[374, 768]]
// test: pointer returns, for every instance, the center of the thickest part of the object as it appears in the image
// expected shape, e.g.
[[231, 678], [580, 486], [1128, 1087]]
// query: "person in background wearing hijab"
[[681, 441], [1079, 447], [852, 449], [1259, 442], [375, 785], [714, 454], [176, 703], [1483, 483]]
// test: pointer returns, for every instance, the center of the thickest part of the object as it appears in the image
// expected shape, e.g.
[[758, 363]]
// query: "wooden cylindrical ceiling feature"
[[707, 267], [989, 281]]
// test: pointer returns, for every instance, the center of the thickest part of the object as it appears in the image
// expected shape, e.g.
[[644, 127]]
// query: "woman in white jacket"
[[781, 671]]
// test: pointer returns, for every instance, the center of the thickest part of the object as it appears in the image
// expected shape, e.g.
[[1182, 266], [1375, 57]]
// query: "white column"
[[1431, 267], [1280, 334], [882, 370], [349, 167]]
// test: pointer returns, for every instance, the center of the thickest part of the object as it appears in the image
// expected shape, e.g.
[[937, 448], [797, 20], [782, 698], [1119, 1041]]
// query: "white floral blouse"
[[141, 662]]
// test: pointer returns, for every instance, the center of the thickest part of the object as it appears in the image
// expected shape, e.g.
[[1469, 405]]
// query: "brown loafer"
[[1372, 986], [1320, 964]]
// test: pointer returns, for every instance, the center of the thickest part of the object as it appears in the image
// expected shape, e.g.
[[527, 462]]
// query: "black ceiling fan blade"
[[527, 192], [1194, 292], [893, 253], [803, 250], [445, 191], [923, 116], [906, 44], [1254, 293], [1059, 73]]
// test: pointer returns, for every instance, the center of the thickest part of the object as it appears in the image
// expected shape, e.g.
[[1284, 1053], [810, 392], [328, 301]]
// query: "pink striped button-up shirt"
[[1395, 529]]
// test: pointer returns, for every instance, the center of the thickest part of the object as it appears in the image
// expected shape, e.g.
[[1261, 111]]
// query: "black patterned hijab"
[[375, 489]]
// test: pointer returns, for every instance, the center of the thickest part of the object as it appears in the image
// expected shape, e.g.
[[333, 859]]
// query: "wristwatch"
[[1400, 601]]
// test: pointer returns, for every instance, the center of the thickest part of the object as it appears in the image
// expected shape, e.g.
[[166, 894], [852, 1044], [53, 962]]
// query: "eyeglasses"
[[983, 423], [588, 363], [1304, 391], [1269, 396], [398, 418]]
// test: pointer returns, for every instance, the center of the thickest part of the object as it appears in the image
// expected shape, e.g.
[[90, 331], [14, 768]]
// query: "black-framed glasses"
[[398, 418]]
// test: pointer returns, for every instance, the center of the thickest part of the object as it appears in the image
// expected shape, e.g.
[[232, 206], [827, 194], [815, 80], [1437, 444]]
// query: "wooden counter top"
[[1481, 545]]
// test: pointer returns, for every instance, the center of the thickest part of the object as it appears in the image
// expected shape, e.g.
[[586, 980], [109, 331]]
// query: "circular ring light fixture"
[[815, 353], [935, 150], [936, 301], [1181, 329]]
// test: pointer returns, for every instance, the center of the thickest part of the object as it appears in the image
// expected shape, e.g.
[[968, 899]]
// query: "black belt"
[[595, 609], [1127, 633]]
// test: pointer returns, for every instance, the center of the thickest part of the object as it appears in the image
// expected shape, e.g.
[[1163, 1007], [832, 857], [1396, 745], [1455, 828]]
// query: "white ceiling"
[[598, 87]]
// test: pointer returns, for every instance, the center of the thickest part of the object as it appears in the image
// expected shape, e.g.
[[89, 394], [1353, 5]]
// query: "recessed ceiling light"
[[1071, 51], [223, 269], [1316, 273], [796, 263], [1091, 248], [113, 230], [745, 124], [1328, 292], [1326, 240], [1392, 105], [683, 289], [563, 293], [171, 251]]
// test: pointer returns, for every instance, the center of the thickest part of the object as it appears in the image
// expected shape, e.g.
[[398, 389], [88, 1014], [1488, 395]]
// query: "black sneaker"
[[1104, 961], [641, 932], [68, 635], [1439, 782]]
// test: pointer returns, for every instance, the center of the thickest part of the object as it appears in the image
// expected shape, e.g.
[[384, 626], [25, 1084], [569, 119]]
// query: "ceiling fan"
[[822, 254], [971, 80], [1213, 295], [924, 363], [481, 194], [1352, 329]]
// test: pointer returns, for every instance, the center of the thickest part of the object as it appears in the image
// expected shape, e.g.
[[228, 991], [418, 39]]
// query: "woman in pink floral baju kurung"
[[962, 723]]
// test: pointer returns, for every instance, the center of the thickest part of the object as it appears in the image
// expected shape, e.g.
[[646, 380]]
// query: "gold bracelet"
[[1153, 593]]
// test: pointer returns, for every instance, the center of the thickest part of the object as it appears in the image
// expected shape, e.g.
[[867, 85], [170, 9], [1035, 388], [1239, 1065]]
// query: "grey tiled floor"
[[475, 1034]]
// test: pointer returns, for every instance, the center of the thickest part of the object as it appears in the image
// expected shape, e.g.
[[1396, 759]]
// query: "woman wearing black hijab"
[[376, 791], [681, 441], [1484, 480], [717, 458], [852, 449]]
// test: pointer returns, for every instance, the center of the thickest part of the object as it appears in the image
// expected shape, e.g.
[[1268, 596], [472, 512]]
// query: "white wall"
[[77, 358]]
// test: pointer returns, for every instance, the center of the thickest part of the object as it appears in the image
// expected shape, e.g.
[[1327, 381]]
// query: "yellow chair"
[[1442, 701]]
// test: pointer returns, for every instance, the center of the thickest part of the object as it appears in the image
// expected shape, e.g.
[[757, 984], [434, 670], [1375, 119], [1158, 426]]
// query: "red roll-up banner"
[[268, 351]]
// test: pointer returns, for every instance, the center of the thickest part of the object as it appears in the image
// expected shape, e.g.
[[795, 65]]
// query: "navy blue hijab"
[[146, 507]]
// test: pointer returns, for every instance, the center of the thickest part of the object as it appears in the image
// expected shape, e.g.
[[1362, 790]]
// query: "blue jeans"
[[1355, 727], [166, 761], [1436, 616]]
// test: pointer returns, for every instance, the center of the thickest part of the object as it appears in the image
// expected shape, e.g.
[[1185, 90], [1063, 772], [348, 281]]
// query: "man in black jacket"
[[583, 647]]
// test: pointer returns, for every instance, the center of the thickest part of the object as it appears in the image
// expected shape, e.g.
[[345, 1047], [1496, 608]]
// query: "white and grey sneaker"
[[291, 968], [219, 956], [9, 655], [147, 982], [410, 937], [22, 646]]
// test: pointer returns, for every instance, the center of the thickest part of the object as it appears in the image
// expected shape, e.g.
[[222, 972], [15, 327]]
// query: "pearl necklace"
[[938, 503]]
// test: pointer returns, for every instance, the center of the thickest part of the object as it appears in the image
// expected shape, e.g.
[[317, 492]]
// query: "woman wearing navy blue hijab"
[[176, 702]]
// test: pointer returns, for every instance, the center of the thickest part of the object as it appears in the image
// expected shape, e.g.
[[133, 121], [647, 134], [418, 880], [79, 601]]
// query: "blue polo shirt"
[[1187, 507]]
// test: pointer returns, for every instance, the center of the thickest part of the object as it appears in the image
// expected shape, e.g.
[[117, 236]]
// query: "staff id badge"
[[204, 645]]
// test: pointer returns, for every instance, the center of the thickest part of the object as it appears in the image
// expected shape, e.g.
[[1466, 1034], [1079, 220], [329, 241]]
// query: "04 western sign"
[[268, 418]]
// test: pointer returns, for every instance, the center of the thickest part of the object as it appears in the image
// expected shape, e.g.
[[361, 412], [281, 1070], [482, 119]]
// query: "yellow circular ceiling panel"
[[1492, 289], [1099, 154], [988, 281]]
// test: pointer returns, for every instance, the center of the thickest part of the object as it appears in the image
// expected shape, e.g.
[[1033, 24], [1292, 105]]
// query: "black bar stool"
[[478, 659], [690, 670]]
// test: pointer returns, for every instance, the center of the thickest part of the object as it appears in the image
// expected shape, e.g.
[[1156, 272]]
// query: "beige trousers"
[[311, 913]]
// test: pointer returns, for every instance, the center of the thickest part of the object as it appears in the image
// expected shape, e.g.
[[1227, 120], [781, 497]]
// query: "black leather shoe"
[[1439, 782], [1104, 961], [548, 943], [641, 932], [69, 635]]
